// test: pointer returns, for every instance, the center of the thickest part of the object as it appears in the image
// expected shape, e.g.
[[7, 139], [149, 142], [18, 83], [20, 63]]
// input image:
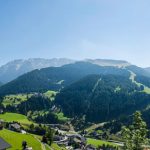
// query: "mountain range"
[[63, 73], [14, 69], [56, 78], [96, 90]]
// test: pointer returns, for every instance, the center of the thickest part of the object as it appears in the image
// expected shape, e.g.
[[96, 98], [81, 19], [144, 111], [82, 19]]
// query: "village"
[[70, 140]]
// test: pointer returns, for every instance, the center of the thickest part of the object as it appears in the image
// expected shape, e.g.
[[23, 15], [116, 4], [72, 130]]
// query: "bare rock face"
[[15, 68], [108, 62]]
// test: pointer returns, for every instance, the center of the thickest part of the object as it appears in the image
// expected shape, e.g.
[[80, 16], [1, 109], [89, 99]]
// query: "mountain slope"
[[16, 68], [147, 69], [101, 98], [55, 78], [1, 83], [138, 71]]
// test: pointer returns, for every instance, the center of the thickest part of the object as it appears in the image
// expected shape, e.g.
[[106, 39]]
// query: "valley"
[[82, 104]]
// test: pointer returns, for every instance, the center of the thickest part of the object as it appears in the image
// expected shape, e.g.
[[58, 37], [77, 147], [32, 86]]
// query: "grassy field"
[[15, 99], [50, 94], [10, 117], [95, 126], [98, 142], [147, 90], [61, 117], [56, 147], [46, 147], [15, 140]]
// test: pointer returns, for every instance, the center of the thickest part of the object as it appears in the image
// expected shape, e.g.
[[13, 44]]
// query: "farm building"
[[15, 127]]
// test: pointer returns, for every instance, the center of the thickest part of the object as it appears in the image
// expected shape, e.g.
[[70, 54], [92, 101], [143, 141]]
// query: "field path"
[[91, 94], [95, 126], [43, 147], [96, 84]]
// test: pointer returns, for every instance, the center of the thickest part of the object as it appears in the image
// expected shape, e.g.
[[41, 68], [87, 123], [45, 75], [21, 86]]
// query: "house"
[[77, 140], [15, 127], [4, 145]]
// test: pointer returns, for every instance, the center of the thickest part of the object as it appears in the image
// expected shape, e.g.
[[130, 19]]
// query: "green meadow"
[[98, 142], [50, 94], [15, 140], [15, 99], [10, 117]]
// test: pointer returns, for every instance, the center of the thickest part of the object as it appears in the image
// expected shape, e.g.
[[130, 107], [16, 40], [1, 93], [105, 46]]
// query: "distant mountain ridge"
[[15, 68], [147, 69], [109, 62]]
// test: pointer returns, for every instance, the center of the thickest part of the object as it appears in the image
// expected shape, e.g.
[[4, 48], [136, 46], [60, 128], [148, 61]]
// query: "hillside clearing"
[[15, 99], [50, 94], [132, 78], [95, 126], [61, 117]]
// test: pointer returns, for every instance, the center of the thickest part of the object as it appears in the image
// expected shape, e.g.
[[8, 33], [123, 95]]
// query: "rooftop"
[[4, 144]]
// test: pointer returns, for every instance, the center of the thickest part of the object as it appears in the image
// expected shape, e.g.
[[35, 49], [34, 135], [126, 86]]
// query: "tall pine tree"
[[135, 136]]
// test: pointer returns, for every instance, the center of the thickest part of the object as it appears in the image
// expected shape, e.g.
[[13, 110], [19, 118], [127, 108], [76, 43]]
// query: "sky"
[[76, 29]]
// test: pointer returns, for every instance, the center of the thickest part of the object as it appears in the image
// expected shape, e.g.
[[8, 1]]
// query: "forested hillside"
[[138, 71], [144, 80], [102, 98], [55, 78], [99, 93]]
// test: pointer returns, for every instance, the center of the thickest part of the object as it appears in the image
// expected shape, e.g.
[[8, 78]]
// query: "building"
[[4, 145], [15, 127], [77, 140]]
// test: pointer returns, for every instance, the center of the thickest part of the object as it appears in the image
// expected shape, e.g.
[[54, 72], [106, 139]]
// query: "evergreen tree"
[[49, 135], [135, 136]]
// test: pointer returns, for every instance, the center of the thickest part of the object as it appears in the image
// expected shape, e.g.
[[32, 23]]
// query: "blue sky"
[[78, 29]]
